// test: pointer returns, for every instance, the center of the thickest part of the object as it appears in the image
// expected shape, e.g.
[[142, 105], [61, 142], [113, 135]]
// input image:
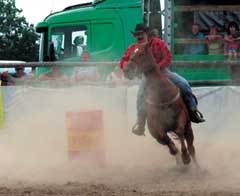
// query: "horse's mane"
[[148, 51]]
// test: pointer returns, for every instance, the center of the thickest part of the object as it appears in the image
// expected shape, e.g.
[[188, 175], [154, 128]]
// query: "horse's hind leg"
[[190, 138], [166, 140], [185, 155], [180, 133]]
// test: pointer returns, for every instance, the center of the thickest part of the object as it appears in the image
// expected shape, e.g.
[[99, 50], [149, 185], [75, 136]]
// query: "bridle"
[[146, 70]]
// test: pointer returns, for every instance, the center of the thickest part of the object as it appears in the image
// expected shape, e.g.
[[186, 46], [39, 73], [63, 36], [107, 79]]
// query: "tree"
[[18, 39]]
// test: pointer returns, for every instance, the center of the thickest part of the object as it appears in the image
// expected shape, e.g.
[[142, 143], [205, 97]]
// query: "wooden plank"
[[190, 41], [186, 8], [63, 64], [109, 63], [210, 82], [206, 64], [205, 41]]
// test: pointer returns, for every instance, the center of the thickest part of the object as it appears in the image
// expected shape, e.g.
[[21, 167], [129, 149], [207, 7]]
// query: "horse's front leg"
[[129, 71], [164, 139], [180, 131]]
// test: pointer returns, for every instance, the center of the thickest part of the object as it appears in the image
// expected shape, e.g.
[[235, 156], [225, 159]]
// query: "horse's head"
[[140, 60]]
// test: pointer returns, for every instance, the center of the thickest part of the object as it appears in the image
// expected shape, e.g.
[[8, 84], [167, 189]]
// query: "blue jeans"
[[178, 80]]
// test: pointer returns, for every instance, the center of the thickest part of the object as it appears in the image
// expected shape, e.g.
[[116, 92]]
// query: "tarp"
[[221, 102], [219, 18]]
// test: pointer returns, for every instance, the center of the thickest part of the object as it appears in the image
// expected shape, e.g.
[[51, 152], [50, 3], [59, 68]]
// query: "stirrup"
[[138, 130]]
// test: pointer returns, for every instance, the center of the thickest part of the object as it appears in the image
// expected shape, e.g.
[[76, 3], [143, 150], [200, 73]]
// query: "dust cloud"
[[34, 143]]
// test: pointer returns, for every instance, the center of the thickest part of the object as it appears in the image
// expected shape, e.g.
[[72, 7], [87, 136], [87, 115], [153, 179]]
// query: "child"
[[231, 40], [195, 48], [214, 41]]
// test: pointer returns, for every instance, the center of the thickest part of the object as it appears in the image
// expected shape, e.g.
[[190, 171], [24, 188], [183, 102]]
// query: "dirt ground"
[[34, 155]]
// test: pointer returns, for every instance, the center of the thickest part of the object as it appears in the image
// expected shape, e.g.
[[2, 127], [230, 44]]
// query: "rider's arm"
[[126, 56], [161, 53]]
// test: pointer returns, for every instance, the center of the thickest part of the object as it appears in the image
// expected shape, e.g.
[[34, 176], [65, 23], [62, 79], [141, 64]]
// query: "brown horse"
[[166, 110]]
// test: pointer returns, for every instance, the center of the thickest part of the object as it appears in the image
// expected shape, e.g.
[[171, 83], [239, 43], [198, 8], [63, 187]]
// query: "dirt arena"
[[34, 153]]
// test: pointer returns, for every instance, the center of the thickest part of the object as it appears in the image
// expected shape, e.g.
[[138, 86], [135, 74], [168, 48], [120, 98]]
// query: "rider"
[[163, 57]]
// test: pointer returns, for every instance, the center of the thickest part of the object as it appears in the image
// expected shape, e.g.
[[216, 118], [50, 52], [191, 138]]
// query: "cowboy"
[[163, 58]]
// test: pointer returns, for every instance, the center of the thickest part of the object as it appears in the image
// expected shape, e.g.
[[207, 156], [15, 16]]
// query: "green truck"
[[103, 27]]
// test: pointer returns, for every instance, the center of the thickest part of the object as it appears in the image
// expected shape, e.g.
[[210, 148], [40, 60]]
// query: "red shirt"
[[160, 52]]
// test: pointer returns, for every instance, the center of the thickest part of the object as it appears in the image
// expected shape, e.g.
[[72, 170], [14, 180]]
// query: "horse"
[[165, 108]]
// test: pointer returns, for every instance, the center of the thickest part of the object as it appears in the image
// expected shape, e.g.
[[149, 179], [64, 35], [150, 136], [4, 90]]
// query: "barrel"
[[85, 133]]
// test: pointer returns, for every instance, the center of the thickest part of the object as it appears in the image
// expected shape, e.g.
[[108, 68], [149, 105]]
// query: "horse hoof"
[[173, 149], [186, 159]]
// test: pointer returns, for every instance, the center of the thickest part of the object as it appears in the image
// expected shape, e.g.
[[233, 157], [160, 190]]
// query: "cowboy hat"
[[140, 28]]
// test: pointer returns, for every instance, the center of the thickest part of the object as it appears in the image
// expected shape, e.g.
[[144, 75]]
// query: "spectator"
[[85, 56], [19, 72], [54, 74], [85, 74], [117, 77], [21, 77], [154, 33], [78, 46], [231, 45], [6, 79], [195, 48], [214, 41]]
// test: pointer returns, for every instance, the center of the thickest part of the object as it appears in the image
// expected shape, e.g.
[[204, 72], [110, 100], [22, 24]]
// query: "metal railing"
[[49, 64], [233, 66], [114, 63]]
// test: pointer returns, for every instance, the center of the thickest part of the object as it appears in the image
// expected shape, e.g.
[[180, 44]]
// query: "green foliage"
[[18, 39]]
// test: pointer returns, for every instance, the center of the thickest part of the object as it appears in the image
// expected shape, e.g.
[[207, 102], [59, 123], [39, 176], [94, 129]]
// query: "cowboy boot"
[[196, 116], [139, 127]]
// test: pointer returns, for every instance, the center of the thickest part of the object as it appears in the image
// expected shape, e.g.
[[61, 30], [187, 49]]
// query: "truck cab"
[[101, 27], [101, 32]]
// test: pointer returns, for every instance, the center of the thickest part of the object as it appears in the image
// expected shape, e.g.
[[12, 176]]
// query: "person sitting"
[[195, 48], [154, 33], [19, 72], [21, 77], [85, 74], [6, 78], [85, 56], [54, 74], [214, 41], [117, 77], [77, 47], [231, 45], [163, 58]]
